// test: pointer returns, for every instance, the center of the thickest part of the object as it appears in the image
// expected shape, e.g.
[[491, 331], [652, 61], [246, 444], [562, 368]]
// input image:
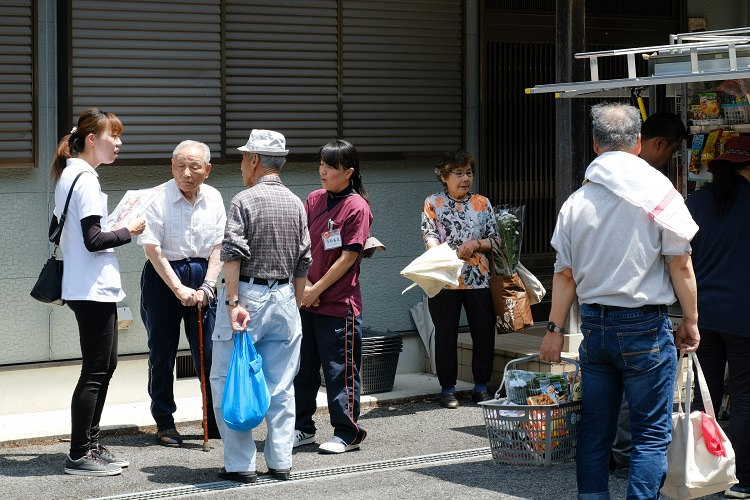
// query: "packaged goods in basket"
[[541, 433], [538, 388]]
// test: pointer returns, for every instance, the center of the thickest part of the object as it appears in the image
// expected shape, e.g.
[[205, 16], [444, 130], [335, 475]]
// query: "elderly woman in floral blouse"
[[466, 222]]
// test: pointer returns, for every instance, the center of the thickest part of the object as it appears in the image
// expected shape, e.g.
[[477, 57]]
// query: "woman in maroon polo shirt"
[[339, 219]]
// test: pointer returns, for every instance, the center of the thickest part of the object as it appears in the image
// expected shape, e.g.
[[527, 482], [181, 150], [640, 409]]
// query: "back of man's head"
[[667, 125], [615, 126], [274, 162]]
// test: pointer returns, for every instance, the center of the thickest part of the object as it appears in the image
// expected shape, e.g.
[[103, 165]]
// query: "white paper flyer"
[[133, 204]]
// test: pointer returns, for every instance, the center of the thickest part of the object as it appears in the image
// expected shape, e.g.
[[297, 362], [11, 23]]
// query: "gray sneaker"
[[109, 457], [91, 465]]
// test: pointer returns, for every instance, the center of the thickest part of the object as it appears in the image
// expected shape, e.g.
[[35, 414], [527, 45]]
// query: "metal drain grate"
[[181, 491]]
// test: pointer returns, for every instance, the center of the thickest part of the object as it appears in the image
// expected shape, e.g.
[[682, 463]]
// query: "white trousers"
[[276, 332]]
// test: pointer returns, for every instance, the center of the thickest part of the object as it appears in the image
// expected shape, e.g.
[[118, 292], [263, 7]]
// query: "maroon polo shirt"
[[350, 214]]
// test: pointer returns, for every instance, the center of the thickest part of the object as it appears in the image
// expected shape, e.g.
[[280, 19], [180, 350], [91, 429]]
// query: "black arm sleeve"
[[94, 239]]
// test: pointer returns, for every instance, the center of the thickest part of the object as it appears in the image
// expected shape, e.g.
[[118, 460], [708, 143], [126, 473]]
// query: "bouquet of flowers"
[[510, 229], [512, 309]]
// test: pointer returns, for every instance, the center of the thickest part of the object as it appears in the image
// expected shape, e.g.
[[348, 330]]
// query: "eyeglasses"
[[459, 174]]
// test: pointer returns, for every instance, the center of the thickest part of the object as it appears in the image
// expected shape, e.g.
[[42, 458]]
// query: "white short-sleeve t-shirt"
[[88, 275]]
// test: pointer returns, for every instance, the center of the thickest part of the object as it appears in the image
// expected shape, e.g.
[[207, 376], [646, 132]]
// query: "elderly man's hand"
[[238, 317], [551, 347], [186, 296], [201, 299]]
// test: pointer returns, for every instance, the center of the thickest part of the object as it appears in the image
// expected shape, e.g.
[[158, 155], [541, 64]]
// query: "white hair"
[[190, 143]]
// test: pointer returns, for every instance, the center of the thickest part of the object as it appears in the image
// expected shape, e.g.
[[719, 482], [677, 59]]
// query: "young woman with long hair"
[[91, 283]]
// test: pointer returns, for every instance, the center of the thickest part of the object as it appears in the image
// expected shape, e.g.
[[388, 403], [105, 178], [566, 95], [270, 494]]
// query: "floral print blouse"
[[456, 221]]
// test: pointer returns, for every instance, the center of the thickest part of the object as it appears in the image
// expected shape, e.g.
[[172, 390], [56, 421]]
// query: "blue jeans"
[[633, 351]]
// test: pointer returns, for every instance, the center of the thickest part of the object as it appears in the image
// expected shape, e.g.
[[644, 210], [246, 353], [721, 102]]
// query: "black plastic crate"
[[378, 373]]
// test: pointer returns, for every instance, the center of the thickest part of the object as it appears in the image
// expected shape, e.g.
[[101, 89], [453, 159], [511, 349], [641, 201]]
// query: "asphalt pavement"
[[414, 450]]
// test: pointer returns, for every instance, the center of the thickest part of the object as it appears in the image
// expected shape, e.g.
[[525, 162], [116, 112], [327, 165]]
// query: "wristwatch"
[[234, 302], [551, 327]]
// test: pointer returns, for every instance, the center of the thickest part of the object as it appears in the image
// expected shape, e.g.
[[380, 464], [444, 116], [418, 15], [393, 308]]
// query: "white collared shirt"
[[184, 230]]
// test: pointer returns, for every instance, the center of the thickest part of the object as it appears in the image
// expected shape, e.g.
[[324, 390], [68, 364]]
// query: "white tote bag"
[[700, 457], [534, 289]]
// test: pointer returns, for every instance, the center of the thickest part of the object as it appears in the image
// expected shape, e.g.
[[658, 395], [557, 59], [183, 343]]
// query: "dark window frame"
[[32, 160]]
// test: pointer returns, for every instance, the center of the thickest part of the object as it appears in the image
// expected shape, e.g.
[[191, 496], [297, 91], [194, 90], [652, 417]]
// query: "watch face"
[[551, 327]]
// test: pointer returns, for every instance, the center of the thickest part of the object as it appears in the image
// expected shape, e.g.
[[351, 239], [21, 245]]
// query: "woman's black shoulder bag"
[[48, 287]]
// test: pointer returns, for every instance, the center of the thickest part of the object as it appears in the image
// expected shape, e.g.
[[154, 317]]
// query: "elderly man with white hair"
[[266, 254], [182, 242]]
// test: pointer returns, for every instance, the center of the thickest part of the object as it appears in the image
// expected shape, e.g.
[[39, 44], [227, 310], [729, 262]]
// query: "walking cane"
[[206, 447]]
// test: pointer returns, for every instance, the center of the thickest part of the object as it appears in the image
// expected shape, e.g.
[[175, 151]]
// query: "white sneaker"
[[303, 438], [337, 445]]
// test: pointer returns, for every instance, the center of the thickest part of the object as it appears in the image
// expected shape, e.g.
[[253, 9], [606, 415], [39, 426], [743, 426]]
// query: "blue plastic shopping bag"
[[246, 396]]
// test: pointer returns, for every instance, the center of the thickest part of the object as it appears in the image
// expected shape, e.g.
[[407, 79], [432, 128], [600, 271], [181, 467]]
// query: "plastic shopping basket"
[[532, 434]]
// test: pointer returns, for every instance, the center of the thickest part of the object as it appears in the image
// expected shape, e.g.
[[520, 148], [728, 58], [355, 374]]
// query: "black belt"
[[648, 308], [263, 281]]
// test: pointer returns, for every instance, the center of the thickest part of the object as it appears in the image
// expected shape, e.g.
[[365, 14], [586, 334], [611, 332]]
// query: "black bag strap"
[[54, 236]]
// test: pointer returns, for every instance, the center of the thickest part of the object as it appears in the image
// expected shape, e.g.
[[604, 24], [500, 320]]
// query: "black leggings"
[[97, 330]]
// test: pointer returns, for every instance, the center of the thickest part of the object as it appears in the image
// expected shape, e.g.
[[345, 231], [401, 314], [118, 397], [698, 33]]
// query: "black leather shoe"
[[480, 396], [239, 477], [280, 474], [449, 400], [169, 437]]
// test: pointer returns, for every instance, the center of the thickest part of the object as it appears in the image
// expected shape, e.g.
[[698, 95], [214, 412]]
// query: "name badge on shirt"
[[332, 237]]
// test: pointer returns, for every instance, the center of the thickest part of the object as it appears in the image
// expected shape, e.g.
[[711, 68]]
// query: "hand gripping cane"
[[206, 447]]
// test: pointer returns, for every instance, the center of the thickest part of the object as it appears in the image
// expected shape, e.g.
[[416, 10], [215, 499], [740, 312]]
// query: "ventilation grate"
[[399, 463], [184, 366]]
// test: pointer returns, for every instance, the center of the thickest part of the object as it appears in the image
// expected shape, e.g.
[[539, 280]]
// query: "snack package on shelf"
[[709, 149], [695, 153], [709, 103], [695, 110], [725, 136]]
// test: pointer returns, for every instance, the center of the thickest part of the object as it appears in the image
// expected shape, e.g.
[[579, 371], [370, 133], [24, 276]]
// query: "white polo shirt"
[[88, 275], [184, 230], [617, 252]]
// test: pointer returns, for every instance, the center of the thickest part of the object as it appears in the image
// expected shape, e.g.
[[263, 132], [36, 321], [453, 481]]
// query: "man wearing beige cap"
[[266, 242]]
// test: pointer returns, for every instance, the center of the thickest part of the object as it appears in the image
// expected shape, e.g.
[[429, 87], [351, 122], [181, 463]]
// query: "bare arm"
[[212, 273], [337, 270], [238, 316], [186, 295], [683, 280], [299, 289], [563, 295]]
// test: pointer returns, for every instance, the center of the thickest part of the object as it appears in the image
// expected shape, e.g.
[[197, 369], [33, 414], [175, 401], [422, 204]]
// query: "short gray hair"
[[272, 161], [615, 126], [189, 144]]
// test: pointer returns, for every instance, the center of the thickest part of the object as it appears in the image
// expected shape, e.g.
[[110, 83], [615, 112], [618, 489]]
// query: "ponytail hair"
[[91, 121], [341, 155]]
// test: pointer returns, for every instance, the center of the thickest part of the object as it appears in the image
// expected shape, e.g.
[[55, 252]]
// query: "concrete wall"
[[36, 332]]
